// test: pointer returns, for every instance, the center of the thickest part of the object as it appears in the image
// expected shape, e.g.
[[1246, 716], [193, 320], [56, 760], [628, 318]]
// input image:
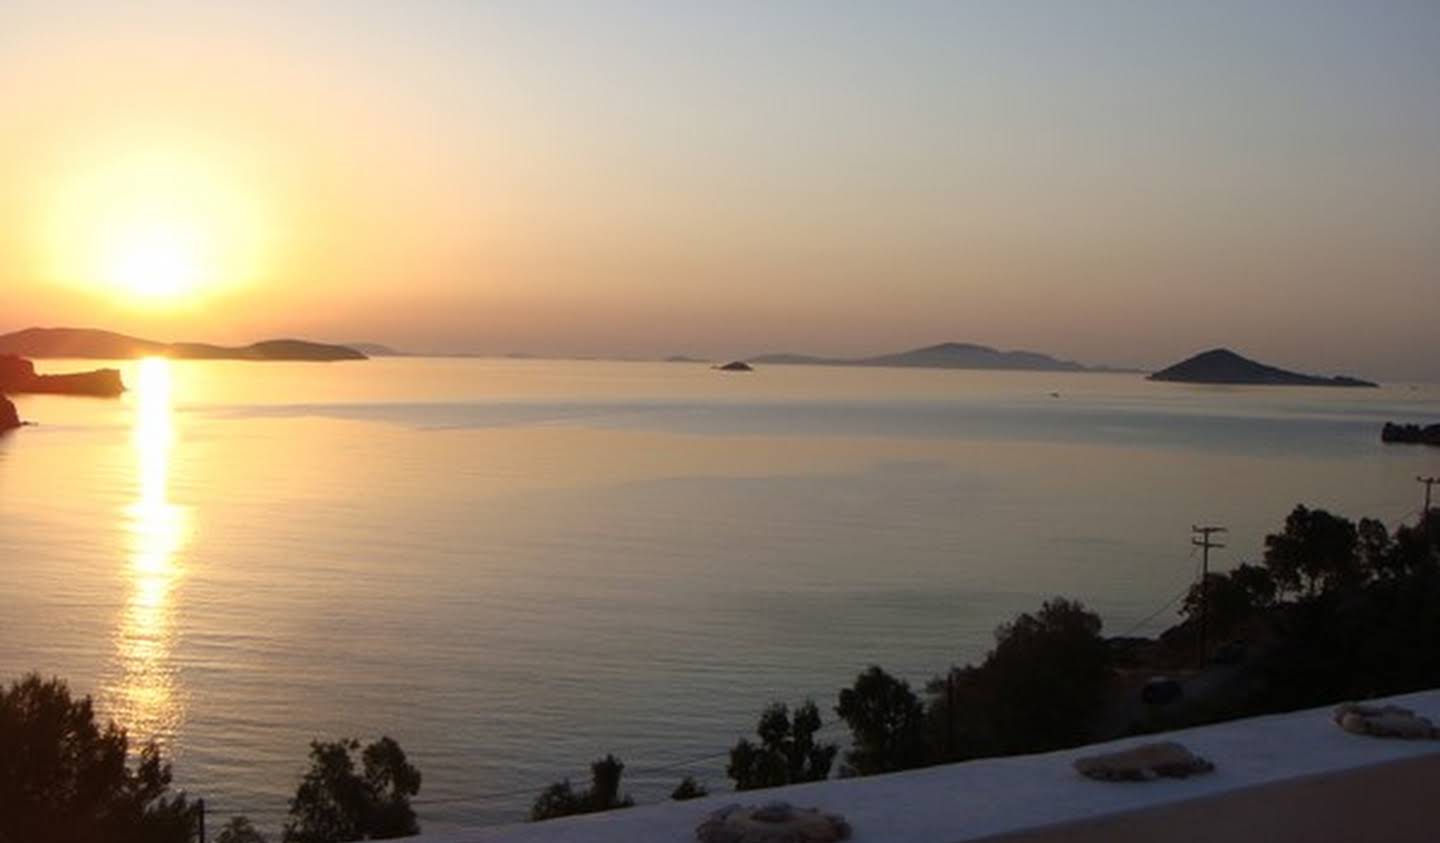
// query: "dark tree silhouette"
[[334, 803], [64, 779], [1037, 690], [1257, 584], [1415, 550], [239, 830], [787, 752], [1317, 550], [1229, 599], [561, 800], [688, 788], [887, 722]]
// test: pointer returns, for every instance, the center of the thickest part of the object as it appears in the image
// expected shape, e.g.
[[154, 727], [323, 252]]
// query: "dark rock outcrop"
[[1411, 434], [18, 375], [1223, 366], [9, 418]]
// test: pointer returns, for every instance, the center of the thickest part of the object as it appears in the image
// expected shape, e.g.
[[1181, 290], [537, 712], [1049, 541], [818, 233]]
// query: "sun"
[[155, 261], [167, 226]]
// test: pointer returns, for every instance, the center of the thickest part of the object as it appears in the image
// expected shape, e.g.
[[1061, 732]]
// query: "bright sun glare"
[[161, 228], [155, 261]]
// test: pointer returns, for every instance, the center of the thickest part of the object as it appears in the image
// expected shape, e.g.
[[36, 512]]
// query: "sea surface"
[[516, 566]]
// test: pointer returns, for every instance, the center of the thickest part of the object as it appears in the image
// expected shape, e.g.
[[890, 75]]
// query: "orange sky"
[[1118, 184]]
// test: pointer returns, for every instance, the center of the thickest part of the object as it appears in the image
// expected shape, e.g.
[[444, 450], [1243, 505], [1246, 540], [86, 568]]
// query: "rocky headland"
[[17, 375], [9, 418], [1410, 434]]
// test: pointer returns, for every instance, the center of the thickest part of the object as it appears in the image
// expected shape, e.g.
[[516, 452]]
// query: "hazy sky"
[[1122, 182]]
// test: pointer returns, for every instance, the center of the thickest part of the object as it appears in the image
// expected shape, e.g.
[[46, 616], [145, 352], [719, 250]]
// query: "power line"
[[1153, 615], [1168, 603]]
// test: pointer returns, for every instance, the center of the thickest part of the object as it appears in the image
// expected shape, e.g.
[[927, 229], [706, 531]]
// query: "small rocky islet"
[[1410, 434]]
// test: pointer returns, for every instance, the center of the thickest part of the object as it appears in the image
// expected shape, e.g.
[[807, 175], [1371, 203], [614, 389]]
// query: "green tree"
[[335, 804], [787, 753], [561, 800], [887, 723], [66, 780]]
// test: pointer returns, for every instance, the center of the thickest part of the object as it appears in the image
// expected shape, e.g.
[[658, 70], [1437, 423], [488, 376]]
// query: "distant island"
[[948, 355], [1410, 434], [92, 344], [1223, 366], [735, 366], [375, 349]]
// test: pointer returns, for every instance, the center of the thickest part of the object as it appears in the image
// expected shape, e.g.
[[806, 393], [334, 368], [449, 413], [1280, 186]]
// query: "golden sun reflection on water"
[[145, 697]]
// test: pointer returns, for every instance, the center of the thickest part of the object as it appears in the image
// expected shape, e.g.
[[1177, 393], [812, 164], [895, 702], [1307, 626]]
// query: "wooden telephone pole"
[[1201, 538], [1425, 513]]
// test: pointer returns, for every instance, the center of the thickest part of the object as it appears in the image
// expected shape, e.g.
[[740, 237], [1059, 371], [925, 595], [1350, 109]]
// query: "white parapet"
[[1288, 777]]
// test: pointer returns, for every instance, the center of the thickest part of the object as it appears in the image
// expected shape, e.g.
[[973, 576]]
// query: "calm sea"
[[514, 567]]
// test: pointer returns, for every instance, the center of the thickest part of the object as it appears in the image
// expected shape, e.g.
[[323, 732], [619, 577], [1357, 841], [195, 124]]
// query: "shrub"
[[688, 788], [335, 803], [561, 800], [787, 752], [887, 723]]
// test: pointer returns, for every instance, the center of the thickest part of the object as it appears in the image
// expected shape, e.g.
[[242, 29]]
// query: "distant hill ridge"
[[1223, 366], [946, 355], [93, 344]]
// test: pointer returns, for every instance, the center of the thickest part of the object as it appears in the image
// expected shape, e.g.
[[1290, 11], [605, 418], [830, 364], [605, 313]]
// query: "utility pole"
[[1201, 538], [1425, 513]]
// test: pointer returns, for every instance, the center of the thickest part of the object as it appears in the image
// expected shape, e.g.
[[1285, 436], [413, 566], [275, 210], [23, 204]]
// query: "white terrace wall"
[[1291, 777]]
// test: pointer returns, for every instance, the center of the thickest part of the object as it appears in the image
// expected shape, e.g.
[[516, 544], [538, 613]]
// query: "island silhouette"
[[1223, 366], [94, 344], [946, 355]]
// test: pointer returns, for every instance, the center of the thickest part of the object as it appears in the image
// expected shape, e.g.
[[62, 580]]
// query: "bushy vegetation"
[[887, 725], [65, 779], [562, 800], [787, 753], [1039, 689], [336, 803], [688, 788], [1337, 610]]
